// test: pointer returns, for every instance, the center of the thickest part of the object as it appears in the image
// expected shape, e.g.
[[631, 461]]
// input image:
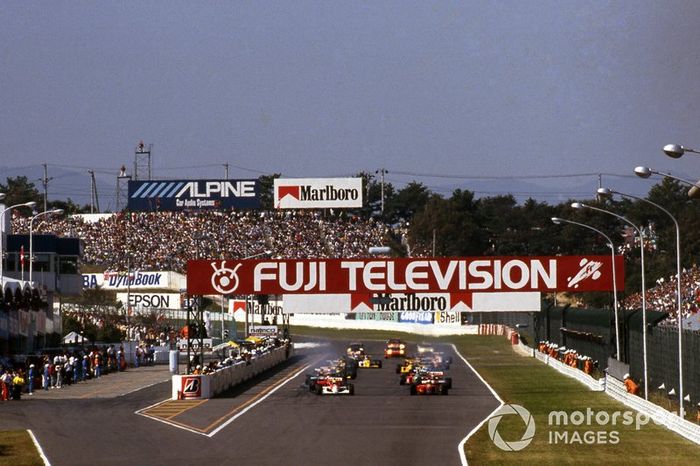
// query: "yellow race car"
[[366, 362]]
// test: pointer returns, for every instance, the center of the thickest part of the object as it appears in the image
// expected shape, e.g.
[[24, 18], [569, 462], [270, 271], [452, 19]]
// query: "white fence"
[[340, 322], [617, 390]]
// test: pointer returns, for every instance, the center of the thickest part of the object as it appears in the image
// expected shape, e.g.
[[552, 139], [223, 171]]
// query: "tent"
[[73, 338]]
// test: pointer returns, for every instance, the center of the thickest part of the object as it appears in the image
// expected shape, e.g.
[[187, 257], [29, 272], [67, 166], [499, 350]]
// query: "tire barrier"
[[195, 387]]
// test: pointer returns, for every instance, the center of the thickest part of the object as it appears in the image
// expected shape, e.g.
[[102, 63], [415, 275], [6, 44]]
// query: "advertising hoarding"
[[317, 193], [174, 195], [457, 276]]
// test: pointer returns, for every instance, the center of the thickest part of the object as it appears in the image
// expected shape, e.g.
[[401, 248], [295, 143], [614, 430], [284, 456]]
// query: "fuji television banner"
[[317, 193], [176, 195], [412, 307], [458, 276]]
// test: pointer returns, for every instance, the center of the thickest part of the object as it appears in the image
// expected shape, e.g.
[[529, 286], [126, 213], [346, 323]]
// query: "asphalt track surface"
[[260, 422]]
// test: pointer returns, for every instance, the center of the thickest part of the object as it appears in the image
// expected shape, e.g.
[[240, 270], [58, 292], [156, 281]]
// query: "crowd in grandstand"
[[172, 238], [662, 297]]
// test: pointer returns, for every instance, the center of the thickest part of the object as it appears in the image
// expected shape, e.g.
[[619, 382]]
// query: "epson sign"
[[193, 195], [318, 193]]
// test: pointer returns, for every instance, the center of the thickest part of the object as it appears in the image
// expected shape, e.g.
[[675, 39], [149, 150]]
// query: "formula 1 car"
[[355, 350], [394, 348], [366, 362], [429, 386], [332, 385]]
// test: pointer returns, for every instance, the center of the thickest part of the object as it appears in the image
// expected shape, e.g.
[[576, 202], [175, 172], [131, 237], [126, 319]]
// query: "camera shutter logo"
[[224, 279], [527, 418]]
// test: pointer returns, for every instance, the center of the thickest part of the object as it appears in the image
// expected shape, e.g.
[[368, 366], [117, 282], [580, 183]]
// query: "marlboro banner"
[[462, 275]]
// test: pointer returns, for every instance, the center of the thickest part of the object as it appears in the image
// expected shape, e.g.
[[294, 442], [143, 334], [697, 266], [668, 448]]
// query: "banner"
[[175, 195], [151, 300], [416, 317], [458, 276], [122, 280], [526, 301], [318, 193], [263, 330]]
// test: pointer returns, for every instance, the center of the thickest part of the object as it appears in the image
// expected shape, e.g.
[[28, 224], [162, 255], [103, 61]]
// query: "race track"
[[263, 423]]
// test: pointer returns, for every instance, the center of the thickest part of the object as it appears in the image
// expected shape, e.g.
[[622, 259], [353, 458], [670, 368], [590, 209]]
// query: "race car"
[[429, 386], [394, 347], [332, 385], [407, 365], [355, 350], [366, 362]]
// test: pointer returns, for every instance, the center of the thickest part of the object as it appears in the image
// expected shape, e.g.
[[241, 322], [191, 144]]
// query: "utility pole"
[[45, 181], [383, 172], [226, 171], [94, 201]]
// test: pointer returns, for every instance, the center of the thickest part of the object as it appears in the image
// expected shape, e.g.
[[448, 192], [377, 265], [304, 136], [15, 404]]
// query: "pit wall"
[[197, 387]]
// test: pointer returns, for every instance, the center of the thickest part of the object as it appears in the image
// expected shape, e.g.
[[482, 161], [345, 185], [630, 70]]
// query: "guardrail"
[[195, 387], [616, 389], [656, 413]]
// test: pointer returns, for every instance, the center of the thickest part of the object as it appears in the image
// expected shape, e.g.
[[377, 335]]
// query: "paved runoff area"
[[108, 386]]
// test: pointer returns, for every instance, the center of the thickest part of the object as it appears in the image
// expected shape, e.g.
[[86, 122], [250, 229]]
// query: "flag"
[[687, 398], [662, 386], [672, 392]]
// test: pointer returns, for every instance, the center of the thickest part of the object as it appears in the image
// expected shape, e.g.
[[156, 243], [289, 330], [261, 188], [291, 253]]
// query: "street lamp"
[[579, 205], [559, 221], [31, 237], [676, 151], [2, 236], [608, 193]]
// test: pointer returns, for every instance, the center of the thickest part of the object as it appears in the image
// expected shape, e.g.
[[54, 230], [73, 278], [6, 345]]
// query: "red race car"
[[429, 386]]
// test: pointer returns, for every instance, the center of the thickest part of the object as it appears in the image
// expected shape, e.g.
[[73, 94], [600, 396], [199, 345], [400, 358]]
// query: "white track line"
[[460, 447], [38, 447], [284, 382]]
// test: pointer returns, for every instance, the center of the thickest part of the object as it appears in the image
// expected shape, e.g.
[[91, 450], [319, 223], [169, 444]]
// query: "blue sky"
[[462, 90]]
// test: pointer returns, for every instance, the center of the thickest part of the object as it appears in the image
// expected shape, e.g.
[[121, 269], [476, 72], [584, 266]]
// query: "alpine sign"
[[404, 275], [193, 195], [317, 193]]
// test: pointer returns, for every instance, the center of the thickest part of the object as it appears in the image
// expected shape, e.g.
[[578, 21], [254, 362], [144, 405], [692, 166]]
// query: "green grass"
[[17, 448], [540, 389]]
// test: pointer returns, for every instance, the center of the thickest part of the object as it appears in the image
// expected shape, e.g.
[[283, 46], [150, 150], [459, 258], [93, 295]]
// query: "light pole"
[[2, 236], [646, 172], [31, 237], [607, 192], [580, 205], [676, 151], [559, 221]]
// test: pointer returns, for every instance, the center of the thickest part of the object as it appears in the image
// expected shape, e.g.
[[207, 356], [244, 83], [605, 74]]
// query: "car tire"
[[380, 364], [413, 390], [351, 388], [443, 390], [318, 390], [312, 387], [398, 368], [448, 382]]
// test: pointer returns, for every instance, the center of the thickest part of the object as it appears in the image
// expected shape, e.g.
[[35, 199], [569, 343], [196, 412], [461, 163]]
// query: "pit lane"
[[380, 424]]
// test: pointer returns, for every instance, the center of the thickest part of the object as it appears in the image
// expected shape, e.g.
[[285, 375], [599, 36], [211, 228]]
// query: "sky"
[[534, 97]]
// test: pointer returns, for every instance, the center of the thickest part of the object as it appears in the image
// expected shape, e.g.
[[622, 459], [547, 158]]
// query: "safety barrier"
[[194, 387], [656, 413], [616, 389], [340, 322]]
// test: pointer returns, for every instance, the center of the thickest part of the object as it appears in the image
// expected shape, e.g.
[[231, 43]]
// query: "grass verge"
[[17, 448], [527, 382]]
